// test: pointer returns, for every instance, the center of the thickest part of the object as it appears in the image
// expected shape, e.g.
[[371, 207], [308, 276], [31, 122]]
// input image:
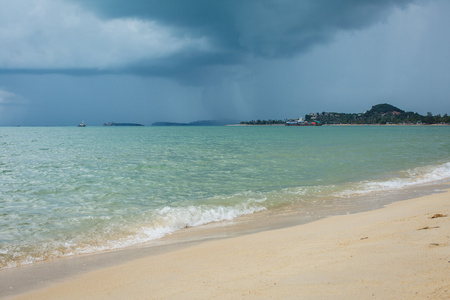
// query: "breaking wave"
[[161, 222], [413, 177]]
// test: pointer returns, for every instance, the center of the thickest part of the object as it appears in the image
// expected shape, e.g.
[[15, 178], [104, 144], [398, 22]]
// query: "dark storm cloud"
[[267, 28], [174, 37], [62, 61]]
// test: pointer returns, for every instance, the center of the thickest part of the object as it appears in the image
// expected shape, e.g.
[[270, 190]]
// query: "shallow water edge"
[[27, 278]]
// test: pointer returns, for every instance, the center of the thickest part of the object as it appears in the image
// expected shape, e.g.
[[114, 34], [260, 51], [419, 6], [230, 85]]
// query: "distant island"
[[196, 123], [378, 114], [121, 124]]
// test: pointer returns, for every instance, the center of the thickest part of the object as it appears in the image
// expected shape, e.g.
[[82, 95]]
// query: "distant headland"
[[197, 123], [379, 114], [121, 124]]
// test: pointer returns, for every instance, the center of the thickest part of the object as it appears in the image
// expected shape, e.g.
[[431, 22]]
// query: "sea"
[[68, 191]]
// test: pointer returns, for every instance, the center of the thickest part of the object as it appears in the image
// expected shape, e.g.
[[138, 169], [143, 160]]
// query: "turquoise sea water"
[[66, 191]]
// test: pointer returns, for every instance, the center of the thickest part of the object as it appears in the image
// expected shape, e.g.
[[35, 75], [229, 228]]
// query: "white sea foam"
[[164, 221], [413, 177], [170, 219]]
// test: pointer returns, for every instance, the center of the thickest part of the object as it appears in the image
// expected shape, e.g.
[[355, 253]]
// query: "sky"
[[144, 61]]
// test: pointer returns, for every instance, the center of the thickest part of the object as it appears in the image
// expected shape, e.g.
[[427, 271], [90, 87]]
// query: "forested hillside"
[[378, 114]]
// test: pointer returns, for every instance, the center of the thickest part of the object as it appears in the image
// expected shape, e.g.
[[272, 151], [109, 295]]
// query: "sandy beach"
[[397, 252]]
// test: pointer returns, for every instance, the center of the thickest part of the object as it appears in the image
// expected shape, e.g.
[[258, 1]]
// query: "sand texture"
[[397, 252]]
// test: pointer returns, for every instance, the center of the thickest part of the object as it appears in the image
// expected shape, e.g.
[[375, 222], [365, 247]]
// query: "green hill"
[[382, 109], [378, 114]]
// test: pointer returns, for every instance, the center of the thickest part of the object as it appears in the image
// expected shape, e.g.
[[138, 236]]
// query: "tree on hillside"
[[384, 108]]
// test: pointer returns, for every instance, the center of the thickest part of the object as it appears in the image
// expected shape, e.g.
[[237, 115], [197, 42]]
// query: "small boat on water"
[[82, 124], [301, 122]]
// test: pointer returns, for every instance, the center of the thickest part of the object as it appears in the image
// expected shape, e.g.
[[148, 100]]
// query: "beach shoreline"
[[399, 251], [426, 125]]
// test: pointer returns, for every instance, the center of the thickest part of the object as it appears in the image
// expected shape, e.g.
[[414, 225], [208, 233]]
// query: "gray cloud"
[[146, 61], [12, 106], [8, 98], [267, 28], [55, 36], [170, 38]]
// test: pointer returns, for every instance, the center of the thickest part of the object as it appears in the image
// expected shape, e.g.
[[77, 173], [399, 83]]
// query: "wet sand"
[[400, 251]]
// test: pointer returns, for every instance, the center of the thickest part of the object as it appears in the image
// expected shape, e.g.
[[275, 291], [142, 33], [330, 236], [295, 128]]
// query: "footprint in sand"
[[438, 216], [428, 227]]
